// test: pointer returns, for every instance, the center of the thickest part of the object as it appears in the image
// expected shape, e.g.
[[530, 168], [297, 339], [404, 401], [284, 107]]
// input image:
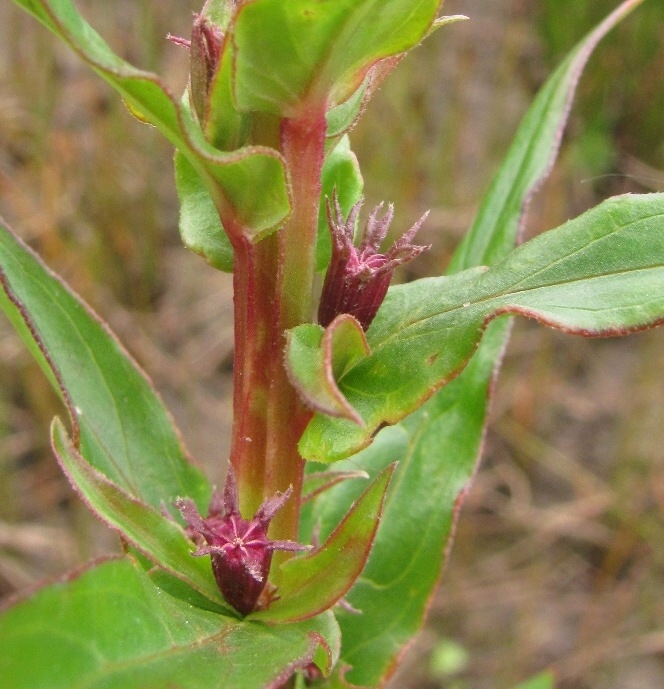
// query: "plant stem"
[[273, 283], [303, 148], [253, 284]]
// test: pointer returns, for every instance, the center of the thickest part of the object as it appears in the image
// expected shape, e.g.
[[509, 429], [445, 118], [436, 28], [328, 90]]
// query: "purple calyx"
[[357, 278], [240, 549]]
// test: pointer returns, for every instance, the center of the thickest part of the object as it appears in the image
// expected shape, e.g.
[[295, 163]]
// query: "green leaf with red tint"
[[310, 584], [305, 51], [531, 156], [598, 275], [152, 533], [343, 117], [200, 227], [316, 357], [318, 482], [115, 627], [439, 445], [231, 177], [119, 424], [436, 451]]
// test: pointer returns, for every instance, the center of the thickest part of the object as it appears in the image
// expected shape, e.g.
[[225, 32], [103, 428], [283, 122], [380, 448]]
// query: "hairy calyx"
[[358, 277], [240, 549]]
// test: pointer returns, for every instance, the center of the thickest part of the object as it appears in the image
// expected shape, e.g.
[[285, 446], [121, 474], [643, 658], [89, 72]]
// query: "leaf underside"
[[288, 53]]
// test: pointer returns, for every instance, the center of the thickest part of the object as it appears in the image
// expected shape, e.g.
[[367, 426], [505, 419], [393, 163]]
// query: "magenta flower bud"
[[240, 550], [358, 277]]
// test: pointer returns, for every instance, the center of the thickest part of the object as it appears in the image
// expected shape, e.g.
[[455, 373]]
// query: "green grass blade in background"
[[119, 423], [113, 627], [530, 157]]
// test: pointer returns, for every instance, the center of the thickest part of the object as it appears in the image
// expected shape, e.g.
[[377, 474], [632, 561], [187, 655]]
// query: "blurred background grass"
[[559, 558]]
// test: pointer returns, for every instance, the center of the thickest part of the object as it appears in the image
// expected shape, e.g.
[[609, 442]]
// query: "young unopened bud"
[[206, 43], [240, 550], [205, 49], [358, 277]]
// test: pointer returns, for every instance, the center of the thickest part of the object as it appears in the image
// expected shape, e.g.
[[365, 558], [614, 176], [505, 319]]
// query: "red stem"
[[273, 292], [253, 284], [303, 148]]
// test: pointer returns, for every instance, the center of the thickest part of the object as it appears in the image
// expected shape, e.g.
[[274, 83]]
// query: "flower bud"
[[357, 278], [240, 550], [206, 44]]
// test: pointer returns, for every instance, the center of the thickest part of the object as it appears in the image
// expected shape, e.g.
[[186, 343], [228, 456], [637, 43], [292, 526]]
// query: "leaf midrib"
[[508, 291]]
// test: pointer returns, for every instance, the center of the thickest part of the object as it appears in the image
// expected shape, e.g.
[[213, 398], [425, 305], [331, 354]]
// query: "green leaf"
[[341, 172], [317, 356], [316, 483], [440, 444], [289, 53], [496, 227], [600, 274], [151, 532], [310, 584], [225, 126], [232, 178], [119, 423], [112, 627], [341, 118], [530, 157], [200, 226], [436, 449]]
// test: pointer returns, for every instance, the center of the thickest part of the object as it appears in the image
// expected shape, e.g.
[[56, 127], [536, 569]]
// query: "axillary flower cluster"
[[358, 277], [240, 549]]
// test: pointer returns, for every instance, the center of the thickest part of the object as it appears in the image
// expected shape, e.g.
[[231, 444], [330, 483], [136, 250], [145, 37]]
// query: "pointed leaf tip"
[[310, 584]]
